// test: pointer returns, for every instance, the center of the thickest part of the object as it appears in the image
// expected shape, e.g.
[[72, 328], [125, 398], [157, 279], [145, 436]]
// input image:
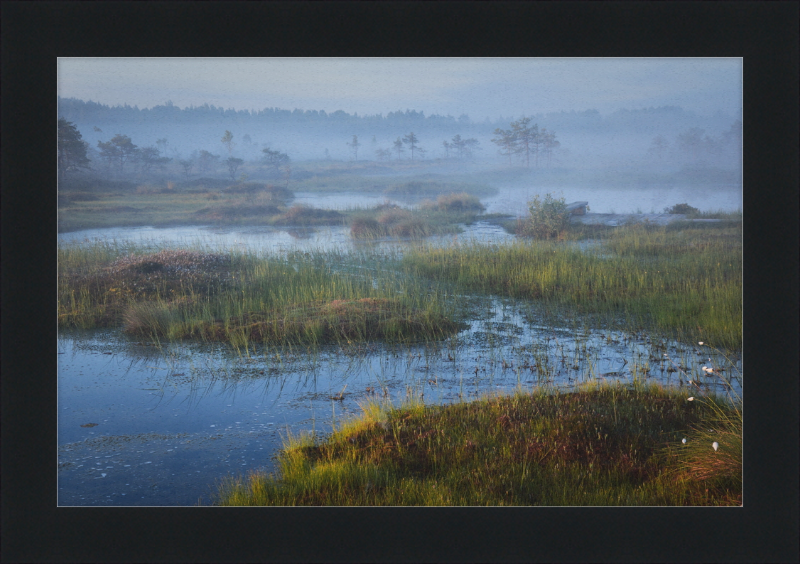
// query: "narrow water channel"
[[143, 426], [149, 426]]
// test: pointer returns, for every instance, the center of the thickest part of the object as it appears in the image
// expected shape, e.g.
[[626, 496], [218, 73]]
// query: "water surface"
[[141, 425]]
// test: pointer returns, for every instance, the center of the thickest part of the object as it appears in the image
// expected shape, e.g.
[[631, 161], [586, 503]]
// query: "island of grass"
[[93, 202], [681, 281], [601, 445], [241, 299], [430, 217]]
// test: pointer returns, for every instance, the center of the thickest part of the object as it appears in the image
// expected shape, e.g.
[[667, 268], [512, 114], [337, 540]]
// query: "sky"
[[478, 87]]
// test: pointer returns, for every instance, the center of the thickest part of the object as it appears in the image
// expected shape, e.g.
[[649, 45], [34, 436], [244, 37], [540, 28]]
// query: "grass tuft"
[[598, 446]]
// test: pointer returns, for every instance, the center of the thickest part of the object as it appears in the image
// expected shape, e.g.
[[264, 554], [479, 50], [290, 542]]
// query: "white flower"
[[715, 444], [691, 398], [684, 441]]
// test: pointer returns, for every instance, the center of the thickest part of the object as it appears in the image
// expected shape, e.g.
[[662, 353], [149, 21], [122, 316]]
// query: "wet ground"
[[139, 425]]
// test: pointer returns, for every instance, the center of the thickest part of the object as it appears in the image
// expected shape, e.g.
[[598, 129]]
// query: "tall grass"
[[244, 299], [676, 282], [601, 445]]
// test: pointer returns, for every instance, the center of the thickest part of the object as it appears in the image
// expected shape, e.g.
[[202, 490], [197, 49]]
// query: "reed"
[[675, 282], [242, 298]]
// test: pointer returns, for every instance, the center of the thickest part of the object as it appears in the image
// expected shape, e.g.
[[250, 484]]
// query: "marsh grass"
[[439, 217], [698, 460], [676, 282], [244, 299], [117, 209], [600, 445]]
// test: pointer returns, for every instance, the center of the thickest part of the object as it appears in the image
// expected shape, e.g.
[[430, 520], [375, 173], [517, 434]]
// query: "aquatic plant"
[[241, 298], [678, 283]]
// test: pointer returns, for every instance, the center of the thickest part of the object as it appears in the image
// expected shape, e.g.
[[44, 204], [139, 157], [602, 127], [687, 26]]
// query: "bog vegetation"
[[601, 445]]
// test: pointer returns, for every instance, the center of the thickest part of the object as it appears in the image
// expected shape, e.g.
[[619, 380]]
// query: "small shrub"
[[681, 208], [548, 217]]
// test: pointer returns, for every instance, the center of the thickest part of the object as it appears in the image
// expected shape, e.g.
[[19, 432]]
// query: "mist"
[[630, 122]]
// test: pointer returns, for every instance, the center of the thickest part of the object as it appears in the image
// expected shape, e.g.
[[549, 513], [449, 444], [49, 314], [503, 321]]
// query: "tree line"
[[694, 145], [82, 111], [119, 151]]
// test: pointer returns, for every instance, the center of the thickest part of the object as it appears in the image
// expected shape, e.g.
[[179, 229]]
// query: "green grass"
[[602, 445], [244, 299], [676, 282]]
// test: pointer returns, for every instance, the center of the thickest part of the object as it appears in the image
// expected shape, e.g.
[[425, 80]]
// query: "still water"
[[139, 425]]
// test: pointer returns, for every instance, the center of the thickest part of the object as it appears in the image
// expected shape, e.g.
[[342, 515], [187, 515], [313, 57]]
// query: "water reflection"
[[172, 420], [237, 407], [512, 199]]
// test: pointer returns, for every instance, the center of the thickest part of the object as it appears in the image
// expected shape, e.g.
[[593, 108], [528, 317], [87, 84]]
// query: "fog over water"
[[146, 425], [606, 113]]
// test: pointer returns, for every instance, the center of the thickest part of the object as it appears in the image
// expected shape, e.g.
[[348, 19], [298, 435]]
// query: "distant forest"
[[647, 120], [316, 134]]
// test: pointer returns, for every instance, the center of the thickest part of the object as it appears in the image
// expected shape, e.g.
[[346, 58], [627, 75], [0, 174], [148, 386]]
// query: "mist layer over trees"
[[207, 140]]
